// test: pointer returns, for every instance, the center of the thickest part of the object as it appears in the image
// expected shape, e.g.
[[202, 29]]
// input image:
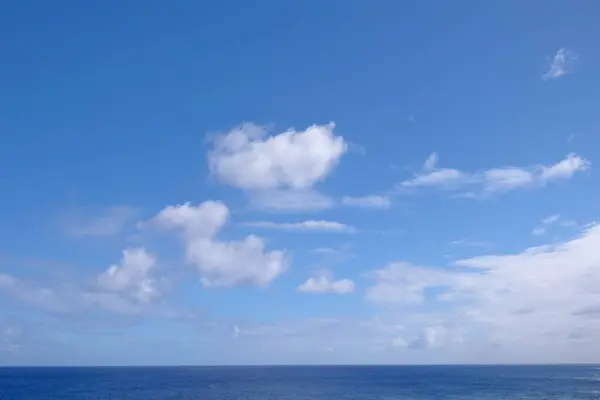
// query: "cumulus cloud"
[[249, 159], [221, 263], [373, 201], [309, 225], [132, 277], [324, 284], [291, 162], [561, 64], [495, 180]]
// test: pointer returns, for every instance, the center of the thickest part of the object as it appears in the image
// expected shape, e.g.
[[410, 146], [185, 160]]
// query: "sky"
[[299, 182]]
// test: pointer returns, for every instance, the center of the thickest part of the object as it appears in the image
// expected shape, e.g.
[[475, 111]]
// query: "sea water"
[[299, 383]]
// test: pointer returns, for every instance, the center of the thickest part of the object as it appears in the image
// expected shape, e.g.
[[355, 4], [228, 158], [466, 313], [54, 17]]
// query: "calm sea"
[[258, 383]]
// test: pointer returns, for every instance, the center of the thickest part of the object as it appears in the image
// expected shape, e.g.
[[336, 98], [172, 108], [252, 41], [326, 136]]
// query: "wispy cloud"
[[289, 200], [90, 221], [468, 243], [561, 64], [495, 180], [374, 201], [309, 225], [554, 219]]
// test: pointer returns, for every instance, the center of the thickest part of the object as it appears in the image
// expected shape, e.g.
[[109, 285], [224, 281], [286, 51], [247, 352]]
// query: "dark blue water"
[[258, 383]]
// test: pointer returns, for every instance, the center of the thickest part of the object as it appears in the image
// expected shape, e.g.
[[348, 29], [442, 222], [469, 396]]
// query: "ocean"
[[302, 383]]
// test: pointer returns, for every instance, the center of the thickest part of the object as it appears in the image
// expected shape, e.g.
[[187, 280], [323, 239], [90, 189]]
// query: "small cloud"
[[468, 243], [551, 219], [561, 64], [431, 162], [324, 284], [132, 277], [554, 219], [368, 201], [310, 225]]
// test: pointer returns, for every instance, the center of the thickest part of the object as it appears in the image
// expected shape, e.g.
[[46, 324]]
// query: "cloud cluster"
[[548, 293], [221, 263], [495, 180]]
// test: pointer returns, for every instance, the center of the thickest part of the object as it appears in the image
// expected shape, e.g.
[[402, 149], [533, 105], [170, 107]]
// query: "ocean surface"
[[258, 383]]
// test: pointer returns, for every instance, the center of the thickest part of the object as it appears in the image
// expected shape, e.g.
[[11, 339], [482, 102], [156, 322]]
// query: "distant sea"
[[299, 383]]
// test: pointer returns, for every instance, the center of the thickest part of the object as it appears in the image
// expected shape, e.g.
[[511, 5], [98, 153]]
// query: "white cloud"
[[561, 64], [132, 277], [402, 283], [565, 168], [249, 159], [496, 180], [324, 284], [310, 225], [445, 177], [98, 222], [221, 263], [543, 296], [373, 201], [551, 219]]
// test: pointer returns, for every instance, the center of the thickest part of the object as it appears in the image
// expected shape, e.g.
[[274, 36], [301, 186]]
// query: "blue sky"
[[299, 182]]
